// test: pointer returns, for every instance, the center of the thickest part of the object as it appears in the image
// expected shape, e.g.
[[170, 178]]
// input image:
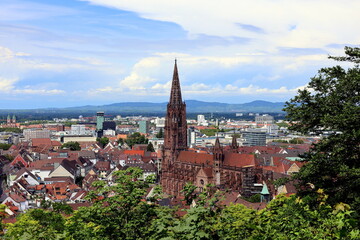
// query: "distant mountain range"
[[192, 106]]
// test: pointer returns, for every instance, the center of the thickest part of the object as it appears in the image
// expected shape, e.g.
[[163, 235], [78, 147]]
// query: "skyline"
[[92, 52]]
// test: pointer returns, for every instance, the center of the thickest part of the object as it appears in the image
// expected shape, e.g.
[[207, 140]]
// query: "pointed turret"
[[175, 95], [218, 161], [217, 142], [217, 146], [234, 144]]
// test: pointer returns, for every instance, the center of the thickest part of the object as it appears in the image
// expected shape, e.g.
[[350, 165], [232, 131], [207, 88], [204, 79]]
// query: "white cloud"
[[7, 86], [292, 23], [38, 91], [148, 78]]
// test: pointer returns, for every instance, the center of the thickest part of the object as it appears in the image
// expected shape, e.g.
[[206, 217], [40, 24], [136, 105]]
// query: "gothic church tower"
[[175, 134]]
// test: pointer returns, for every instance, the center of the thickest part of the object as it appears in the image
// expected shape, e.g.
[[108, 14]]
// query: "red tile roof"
[[239, 159], [41, 141], [102, 165], [135, 152]]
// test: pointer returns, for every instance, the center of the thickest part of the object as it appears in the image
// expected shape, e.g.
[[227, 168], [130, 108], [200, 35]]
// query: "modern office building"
[[144, 127], [99, 120], [109, 125], [254, 138]]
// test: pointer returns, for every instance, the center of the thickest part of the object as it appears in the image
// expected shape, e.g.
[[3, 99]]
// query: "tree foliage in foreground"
[[331, 103], [119, 212]]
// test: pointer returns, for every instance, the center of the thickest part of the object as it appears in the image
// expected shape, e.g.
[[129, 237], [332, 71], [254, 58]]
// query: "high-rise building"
[[144, 127], [99, 120]]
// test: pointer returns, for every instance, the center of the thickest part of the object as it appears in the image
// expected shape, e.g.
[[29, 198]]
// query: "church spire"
[[217, 143], [234, 144], [175, 95]]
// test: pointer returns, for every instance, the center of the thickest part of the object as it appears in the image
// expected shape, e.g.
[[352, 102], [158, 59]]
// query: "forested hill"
[[191, 106]]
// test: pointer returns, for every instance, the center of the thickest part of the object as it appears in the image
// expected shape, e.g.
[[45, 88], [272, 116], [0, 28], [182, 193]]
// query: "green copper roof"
[[265, 190], [294, 158]]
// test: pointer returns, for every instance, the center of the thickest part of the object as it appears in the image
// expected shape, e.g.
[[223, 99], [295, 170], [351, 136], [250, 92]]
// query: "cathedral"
[[224, 167]]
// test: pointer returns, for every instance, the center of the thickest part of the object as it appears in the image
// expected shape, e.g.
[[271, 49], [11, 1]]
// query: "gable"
[[19, 159], [60, 171]]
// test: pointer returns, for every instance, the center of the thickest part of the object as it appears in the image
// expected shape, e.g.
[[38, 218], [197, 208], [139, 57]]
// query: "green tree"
[[73, 146], [331, 102], [209, 132], [189, 192], [236, 222], [199, 221], [5, 146], [254, 198], [150, 147], [293, 218], [9, 129], [120, 141], [296, 141], [136, 138], [61, 207], [118, 211], [103, 141], [160, 134], [2, 216], [37, 224]]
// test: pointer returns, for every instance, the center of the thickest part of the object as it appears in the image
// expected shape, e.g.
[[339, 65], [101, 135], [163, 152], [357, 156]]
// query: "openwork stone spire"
[[175, 124], [234, 144], [175, 95]]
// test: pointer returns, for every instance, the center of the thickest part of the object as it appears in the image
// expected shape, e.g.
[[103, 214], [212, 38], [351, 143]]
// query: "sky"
[[94, 52]]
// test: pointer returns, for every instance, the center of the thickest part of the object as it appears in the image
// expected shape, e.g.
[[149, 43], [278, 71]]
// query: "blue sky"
[[81, 52]]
